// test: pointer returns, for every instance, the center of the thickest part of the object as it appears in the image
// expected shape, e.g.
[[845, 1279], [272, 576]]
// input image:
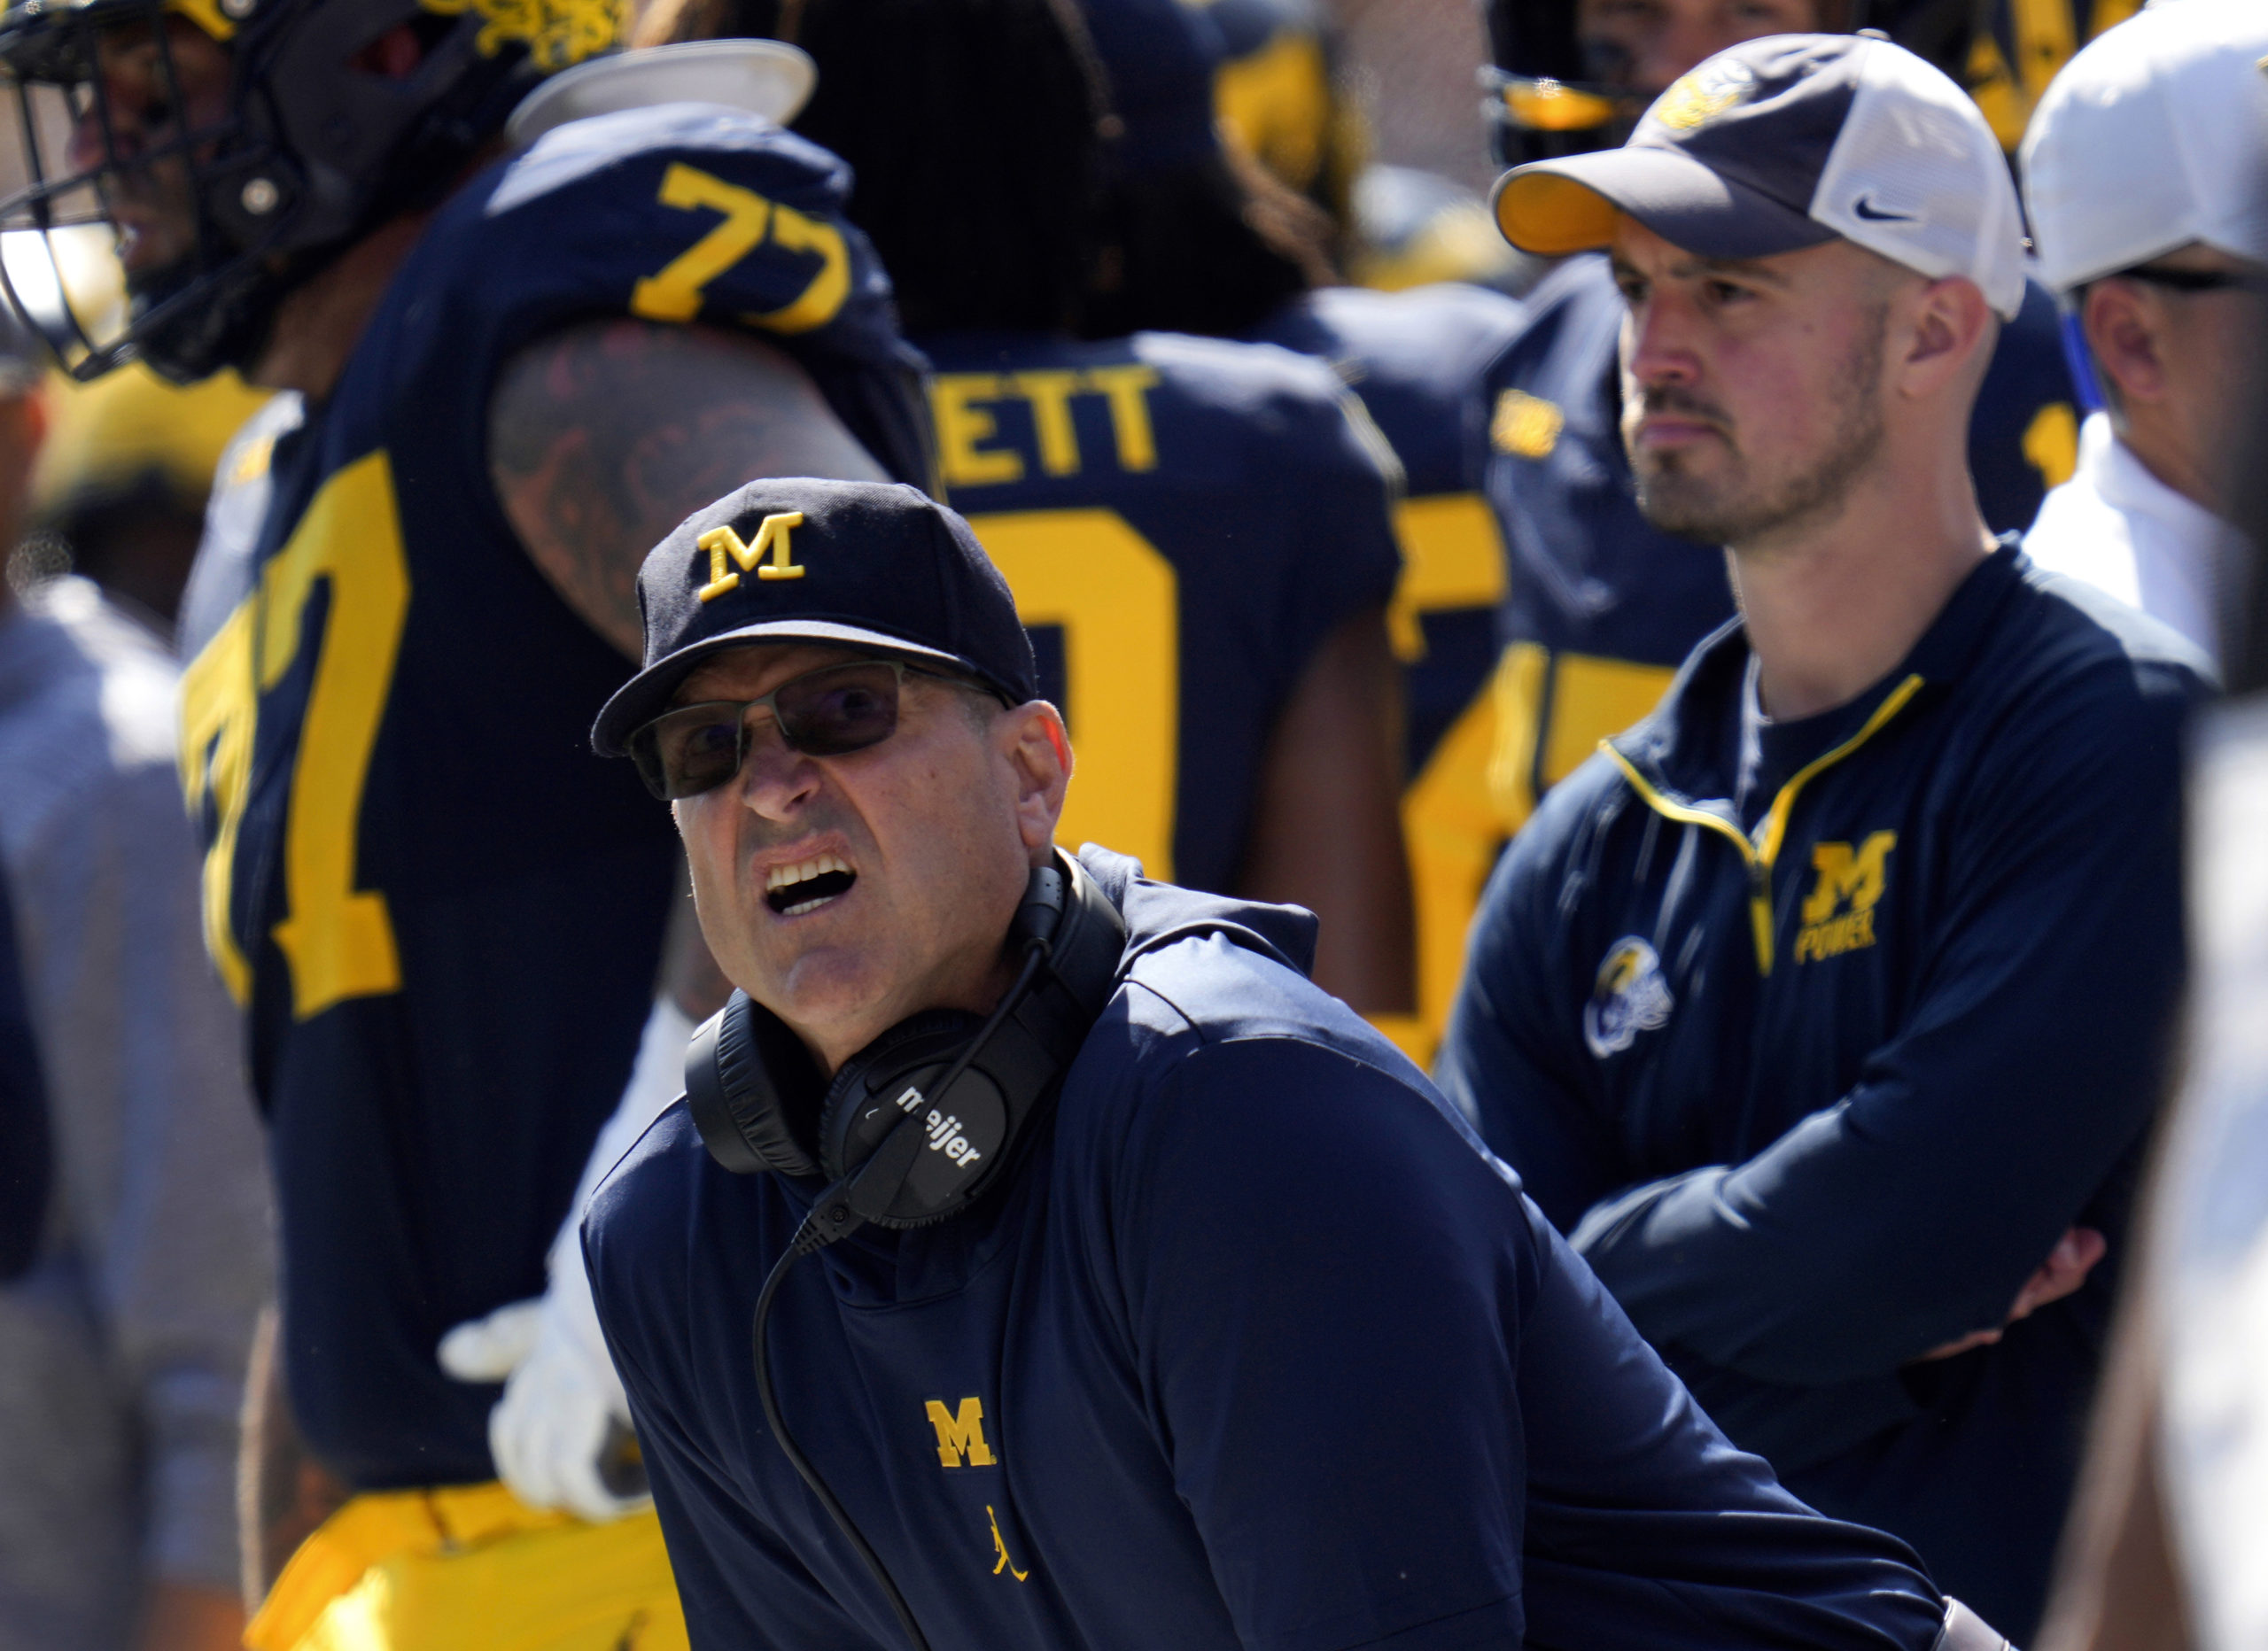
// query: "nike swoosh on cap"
[[1865, 208]]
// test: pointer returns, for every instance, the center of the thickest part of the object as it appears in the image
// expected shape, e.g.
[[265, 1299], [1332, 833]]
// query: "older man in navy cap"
[[1111, 1285], [1824, 1009]]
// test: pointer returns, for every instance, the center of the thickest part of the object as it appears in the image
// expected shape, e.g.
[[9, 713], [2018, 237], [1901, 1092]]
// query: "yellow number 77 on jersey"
[[675, 292]]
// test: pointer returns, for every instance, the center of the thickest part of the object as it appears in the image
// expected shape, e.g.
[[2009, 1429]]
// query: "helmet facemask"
[[1545, 94], [330, 117], [1556, 87], [127, 126]]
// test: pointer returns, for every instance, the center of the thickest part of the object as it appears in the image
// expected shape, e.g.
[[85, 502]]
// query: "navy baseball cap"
[[1790, 142], [874, 566]]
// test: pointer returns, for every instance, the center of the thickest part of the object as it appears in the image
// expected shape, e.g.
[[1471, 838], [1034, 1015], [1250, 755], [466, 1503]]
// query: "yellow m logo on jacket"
[[961, 1435], [1838, 914]]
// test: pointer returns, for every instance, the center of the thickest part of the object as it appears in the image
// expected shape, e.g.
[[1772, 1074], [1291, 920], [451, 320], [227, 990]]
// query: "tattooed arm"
[[603, 437]]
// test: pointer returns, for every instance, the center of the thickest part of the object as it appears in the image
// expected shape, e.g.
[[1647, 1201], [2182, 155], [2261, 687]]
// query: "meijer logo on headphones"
[[943, 1129], [946, 1136]]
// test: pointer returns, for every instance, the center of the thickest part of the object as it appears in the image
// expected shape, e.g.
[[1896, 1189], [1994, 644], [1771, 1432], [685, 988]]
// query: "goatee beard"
[[1722, 512]]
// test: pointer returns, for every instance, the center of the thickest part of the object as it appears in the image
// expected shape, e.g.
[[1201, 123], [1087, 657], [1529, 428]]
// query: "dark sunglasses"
[[2199, 280], [832, 711]]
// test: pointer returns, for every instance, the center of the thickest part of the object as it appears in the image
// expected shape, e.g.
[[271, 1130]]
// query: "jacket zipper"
[[1759, 858]]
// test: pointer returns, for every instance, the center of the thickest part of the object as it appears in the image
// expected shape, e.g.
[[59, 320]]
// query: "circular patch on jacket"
[[1629, 996]]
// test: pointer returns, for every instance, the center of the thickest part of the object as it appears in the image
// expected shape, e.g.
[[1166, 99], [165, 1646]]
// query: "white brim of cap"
[[647, 695], [1551, 208], [767, 78]]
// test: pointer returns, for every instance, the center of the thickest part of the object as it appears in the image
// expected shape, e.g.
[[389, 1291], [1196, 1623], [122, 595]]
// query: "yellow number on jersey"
[[673, 293], [1117, 601], [217, 708], [338, 940], [1453, 558]]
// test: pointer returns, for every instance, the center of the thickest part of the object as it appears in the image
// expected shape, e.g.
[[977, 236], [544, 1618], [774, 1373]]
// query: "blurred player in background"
[[1281, 98], [2159, 245], [1198, 532], [417, 581], [1202, 240], [2022, 48], [1601, 57], [124, 476], [1601, 606], [123, 1345], [1276, 97]]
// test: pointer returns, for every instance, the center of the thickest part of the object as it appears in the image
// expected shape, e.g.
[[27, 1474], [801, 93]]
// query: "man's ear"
[[1951, 331], [2121, 324], [1038, 749]]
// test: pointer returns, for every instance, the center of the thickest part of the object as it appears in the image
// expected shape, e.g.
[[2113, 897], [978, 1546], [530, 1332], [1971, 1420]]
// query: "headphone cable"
[[835, 1215], [808, 1240]]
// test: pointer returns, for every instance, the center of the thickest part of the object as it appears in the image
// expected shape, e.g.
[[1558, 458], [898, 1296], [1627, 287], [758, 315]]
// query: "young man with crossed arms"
[[1823, 1009]]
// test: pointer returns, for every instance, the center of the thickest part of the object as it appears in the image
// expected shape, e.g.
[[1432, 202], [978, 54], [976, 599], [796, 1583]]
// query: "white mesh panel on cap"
[[1916, 175]]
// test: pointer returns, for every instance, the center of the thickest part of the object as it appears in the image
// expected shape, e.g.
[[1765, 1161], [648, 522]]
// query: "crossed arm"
[[1909, 1217], [1906, 1217]]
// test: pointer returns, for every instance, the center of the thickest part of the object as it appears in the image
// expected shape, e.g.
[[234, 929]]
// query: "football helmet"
[[336, 115], [1548, 94]]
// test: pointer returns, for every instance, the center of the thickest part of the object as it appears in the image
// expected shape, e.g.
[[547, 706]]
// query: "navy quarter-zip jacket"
[[1255, 1347], [1815, 1083]]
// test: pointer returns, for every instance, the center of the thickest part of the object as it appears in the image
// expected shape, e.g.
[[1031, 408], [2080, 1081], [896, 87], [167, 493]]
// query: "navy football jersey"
[[1420, 360], [443, 913], [1183, 521], [1602, 606]]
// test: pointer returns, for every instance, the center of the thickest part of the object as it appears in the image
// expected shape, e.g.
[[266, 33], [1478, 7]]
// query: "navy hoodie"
[[1255, 1346]]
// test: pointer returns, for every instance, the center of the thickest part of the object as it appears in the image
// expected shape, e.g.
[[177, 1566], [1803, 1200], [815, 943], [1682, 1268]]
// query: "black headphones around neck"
[[917, 1124]]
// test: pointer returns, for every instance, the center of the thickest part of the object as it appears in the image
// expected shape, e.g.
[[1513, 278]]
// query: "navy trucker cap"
[[877, 567], [1789, 142]]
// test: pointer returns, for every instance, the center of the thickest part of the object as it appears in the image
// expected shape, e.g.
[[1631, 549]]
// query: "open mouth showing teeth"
[[792, 890]]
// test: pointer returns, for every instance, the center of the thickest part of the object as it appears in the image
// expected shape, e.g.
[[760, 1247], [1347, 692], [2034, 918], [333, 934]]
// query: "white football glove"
[[563, 1413], [564, 1419]]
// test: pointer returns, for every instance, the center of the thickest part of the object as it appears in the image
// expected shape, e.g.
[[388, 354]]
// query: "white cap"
[[1788, 141], [2154, 136]]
